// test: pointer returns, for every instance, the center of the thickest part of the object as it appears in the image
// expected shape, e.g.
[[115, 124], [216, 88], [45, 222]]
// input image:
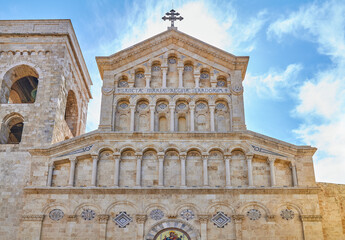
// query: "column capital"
[[212, 106], [140, 218], [139, 156], [51, 165], [271, 160], [117, 155], [203, 218], [270, 218], [103, 218], [292, 163], [205, 156], [73, 159], [131, 106], [227, 157], [152, 106], [161, 156], [238, 218], [250, 157], [94, 157], [164, 68]]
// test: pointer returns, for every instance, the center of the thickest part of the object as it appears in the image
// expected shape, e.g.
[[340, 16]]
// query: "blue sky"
[[295, 82]]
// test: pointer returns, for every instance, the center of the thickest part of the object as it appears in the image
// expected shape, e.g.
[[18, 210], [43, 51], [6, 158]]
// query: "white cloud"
[[274, 82], [322, 98]]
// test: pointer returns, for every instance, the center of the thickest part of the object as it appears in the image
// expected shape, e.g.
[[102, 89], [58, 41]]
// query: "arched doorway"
[[162, 230], [172, 234]]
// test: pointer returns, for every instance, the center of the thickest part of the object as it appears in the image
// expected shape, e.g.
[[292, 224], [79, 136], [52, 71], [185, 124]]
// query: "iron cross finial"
[[172, 16]]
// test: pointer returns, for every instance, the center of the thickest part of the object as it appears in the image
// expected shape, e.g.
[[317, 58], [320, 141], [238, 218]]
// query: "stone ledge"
[[145, 190]]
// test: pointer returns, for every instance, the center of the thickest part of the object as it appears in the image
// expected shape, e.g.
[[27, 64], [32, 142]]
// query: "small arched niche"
[[172, 76], [71, 112], [222, 117], [162, 116], [12, 129], [182, 116], [221, 82], [205, 78], [188, 75], [202, 116], [122, 116], [139, 78], [142, 116], [123, 82], [156, 75], [19, 85]]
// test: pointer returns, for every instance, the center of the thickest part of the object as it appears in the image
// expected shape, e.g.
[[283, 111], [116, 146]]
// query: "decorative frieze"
[[171, 90], [311, 218]]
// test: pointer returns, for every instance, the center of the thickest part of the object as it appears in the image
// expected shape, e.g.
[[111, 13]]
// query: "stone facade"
[[172, 154]]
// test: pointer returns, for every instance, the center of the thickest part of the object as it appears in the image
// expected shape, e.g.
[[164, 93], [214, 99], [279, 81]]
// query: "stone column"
[[94, 170], [50, 174], [132, 118], [203, 219], [152, 118], [294, 174], [183, 169], [172, 117], [205, 172], [103, 221], [212, 108], [180, 77], [271, 161], [31, 226], [191, 109], [148, 80], [227, 170], [117, 157], [164, 79], [138, 176], [250, 170], [238, 226], [71, 225], [72, 172], [161, 169], [197, 80], [140, 219]]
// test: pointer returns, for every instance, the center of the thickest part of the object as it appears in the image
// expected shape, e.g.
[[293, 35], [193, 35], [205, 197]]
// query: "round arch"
[[173, 224]]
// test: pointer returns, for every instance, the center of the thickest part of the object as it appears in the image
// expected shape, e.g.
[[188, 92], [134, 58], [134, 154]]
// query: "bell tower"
[[44, 83]]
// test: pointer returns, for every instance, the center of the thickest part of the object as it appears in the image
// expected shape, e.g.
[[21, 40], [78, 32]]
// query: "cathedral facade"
[[172, 157]]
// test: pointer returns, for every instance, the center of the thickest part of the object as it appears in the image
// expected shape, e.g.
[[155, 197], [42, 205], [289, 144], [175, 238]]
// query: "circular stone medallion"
[[56, 214], [254, 214], [88, 214], [287, 214], [187, 214]]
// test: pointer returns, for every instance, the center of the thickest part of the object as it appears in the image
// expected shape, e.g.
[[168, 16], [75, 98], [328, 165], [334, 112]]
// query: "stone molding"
[[33, 218], [311, 218], [238, 218], [270, 218], [177, 190]]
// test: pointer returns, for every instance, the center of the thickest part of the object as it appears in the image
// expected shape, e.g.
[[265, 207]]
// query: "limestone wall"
[[332, 207]]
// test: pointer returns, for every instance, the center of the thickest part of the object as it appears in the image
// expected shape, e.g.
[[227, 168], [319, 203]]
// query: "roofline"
[[165, 32]]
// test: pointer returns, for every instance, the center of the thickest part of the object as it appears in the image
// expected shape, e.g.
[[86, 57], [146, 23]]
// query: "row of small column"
[[180, 78], [172, 119], [227, 159]]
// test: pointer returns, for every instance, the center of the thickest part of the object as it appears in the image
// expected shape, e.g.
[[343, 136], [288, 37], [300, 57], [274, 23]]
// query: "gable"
[[172, 39]]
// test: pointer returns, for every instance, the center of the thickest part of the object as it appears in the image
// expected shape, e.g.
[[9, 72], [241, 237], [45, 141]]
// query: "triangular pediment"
[[172, 39]]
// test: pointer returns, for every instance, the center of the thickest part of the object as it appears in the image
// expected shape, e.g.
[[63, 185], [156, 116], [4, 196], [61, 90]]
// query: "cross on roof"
[[172, 16]]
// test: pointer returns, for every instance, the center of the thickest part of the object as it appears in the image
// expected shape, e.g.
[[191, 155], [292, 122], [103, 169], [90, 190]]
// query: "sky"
[[295, 81]]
